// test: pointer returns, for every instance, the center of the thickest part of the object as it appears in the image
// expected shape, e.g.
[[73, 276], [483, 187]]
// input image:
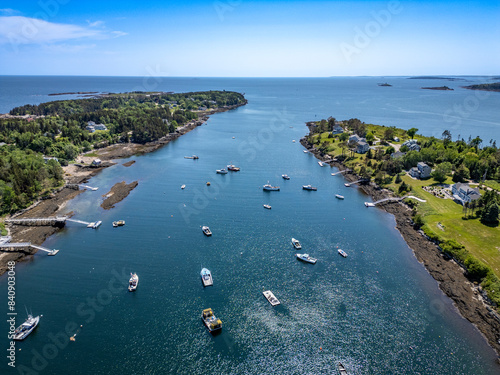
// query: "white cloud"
[[95, 23], [8, 11], [25, 30]]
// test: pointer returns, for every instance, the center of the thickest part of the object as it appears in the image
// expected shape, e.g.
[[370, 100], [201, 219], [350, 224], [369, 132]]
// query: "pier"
[[393, 199], [6, 245], [344, 171], [356, 182], [58, 221]]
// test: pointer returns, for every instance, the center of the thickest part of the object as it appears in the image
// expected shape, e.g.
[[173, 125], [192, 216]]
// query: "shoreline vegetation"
[[495, 87], [447, 261], [54, 187]]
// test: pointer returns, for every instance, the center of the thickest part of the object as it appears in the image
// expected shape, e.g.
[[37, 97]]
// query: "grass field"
[[445, 218]]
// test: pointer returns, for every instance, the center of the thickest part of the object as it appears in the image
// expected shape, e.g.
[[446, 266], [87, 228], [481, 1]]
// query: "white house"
[[421, 171], [354, 139], [337, 129], [464, 193], [92, 126]]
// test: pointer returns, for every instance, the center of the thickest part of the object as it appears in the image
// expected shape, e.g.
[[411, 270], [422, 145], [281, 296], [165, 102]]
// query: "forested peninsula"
[[37, 140]]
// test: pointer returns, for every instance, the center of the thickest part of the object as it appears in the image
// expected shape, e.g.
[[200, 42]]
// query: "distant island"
[[437, 88], [485, 87], [385, 84], [435, 77], [74, 93]]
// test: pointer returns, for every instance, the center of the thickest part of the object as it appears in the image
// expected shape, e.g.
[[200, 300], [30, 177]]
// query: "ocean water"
[[377, 311]]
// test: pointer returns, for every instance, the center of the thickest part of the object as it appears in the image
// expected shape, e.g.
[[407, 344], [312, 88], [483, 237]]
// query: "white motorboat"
[[343, 253], [320, 164], [269, 187], [306, 258], [296, 244], [271, 298], [233, 168], [26, 328], [183, 187], [221, 171], [206, 277], [309, 187], [133, 282], [267, 206], [206, 230], [285, 177], [339, 196]]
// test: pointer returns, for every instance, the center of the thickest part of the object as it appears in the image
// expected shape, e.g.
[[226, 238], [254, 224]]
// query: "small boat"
[[369, 204], [195, 157], [191, 157], [343, 253], [267, 206], [271, 298], [210, 320], [206, 277], [306, 258], [269, 187], [91, 225], [232, 168], [296, 244], [206, 231], [208, 183], [309, 187], [285, 177], [342, 369], [320, 164], [221, 171], [293, 140], [97, 224], [339, 196], [132, 283], [347, 185], [118, 223], [305, 151], [183, 186], [26, 328]]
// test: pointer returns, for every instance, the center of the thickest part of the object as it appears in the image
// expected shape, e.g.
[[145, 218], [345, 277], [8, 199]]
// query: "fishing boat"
[[343, 253], [221, 171], [210, 320], [309, 187], [183, 187], [133, 282], [339, 196], [267, 206], [342, 369], [26, 328], [269, 187], [118, 223], [285, 177], [206, 277], [296, 244], [306, 258], [233, 168], [206, 230], [271, 298]]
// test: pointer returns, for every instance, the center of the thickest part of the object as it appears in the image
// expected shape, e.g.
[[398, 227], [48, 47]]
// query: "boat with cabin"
[[191, 157], [206, 277], [339, 196], [343, 253], [309, 187], [118, 223], [267, 206], [306, 258], [183, 187], [271, 298], [285, 177], [26, 328], [269, 187], [211, 321], [133, 282], [296, 244], [206, 230], [221, 171], [233, 168]]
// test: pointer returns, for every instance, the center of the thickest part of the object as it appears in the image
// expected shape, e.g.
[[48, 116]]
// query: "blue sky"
[[237, 38]]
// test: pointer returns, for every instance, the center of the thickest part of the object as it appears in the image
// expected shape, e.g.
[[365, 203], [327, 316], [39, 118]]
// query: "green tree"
[[490, 213], [411, 132], [461, 174], [441, 172]]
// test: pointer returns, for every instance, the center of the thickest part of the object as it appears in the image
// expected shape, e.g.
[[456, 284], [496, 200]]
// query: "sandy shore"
[[79, 173], [467, 297]]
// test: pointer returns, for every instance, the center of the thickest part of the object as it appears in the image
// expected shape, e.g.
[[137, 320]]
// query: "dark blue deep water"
[[377, 311]]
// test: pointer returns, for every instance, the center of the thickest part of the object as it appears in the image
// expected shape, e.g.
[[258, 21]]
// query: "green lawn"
[[493, 184], [480, 240]]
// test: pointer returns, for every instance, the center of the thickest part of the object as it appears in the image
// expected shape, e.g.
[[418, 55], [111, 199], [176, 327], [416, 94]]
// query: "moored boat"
[[221, 171], [206, 277], [269, 187], [206, 230], [320, 163], [232, 168], [309, 187], [285, 177], [343, 253], [118, 223], [183, 187], [133, 282], [342, 369], [210, 320], [369, 204], [271, 298], [306, 258], [26, 328], [267, 206], [339, 196], [296, 244]]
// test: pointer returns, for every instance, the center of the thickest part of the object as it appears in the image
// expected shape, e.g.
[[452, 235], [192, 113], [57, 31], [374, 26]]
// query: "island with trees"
[[485, 87]]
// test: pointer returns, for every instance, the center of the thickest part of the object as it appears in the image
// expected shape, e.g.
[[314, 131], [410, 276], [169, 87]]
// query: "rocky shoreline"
[[75, 174], [450, 276]]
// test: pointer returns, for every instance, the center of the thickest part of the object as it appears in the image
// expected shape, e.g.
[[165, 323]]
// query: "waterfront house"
[[337, 129], [354, 139], [362, 147], [464, 193], [421, 171], [412, 145]]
